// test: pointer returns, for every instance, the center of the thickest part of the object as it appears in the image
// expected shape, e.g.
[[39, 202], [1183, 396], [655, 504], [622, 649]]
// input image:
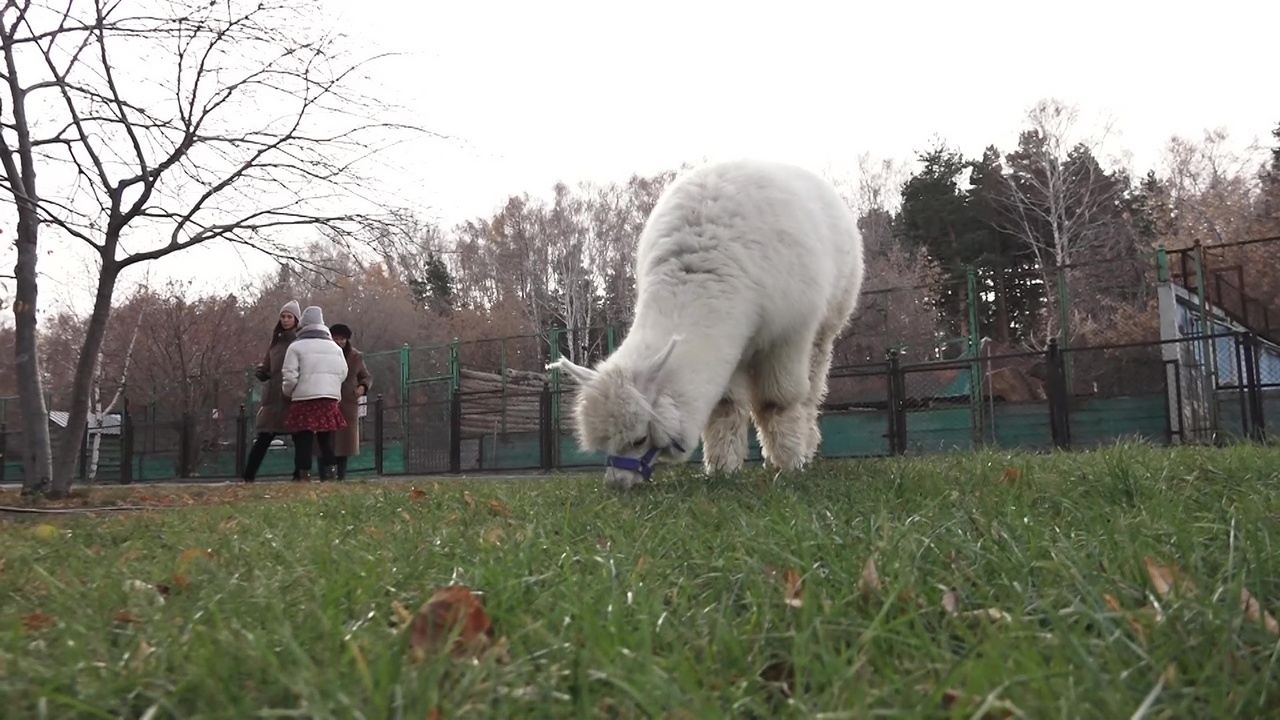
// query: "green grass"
[[662, 603]]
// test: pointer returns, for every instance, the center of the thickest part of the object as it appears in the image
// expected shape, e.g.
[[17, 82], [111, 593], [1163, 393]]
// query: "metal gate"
[[426, 418]]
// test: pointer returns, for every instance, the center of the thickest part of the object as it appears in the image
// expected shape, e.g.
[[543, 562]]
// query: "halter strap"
[[642, 464]]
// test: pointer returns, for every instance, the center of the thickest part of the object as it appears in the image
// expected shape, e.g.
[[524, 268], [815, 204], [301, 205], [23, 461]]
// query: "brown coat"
[[274, 406], [347, 440]]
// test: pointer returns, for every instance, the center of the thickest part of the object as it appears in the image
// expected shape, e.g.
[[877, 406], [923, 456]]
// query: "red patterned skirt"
[[319, 415]]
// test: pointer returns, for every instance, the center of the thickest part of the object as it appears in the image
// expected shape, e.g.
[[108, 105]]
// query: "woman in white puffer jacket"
[[314, 368]]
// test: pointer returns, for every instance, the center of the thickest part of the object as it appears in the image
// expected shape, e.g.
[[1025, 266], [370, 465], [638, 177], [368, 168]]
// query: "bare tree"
[[183, 123], [1059, 199]]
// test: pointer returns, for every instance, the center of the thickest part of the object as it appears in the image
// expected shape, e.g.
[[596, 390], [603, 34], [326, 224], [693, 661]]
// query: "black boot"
[[326, 472], [342, 468]]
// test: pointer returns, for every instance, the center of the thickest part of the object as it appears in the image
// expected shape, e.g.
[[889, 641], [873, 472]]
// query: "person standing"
[[313, 371], [269, 421], [355, 386]]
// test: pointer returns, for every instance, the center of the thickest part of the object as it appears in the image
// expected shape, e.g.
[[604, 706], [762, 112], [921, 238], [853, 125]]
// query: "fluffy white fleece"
[[746, 273]]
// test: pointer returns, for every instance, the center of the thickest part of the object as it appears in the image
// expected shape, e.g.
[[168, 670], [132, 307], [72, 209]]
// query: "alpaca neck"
[[700, 366]]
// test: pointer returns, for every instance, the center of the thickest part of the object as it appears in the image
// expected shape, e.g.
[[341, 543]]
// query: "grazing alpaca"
[[746, 272]]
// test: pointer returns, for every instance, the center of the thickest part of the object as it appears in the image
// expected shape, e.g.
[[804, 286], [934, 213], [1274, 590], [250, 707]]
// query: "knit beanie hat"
[[292, 308], [312, 316]]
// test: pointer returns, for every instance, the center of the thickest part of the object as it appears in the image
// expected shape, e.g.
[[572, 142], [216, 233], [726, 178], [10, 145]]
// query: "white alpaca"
[[746, 273]]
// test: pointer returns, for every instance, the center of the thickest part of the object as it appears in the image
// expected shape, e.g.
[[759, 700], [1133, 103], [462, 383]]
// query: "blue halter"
[[642, 464]]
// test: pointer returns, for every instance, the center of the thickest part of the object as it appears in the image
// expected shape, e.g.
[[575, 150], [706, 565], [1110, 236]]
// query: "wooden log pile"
[[491, 406]]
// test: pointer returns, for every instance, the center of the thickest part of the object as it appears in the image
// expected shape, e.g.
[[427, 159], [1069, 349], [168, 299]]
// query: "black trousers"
[[259, 452], [305, 441]]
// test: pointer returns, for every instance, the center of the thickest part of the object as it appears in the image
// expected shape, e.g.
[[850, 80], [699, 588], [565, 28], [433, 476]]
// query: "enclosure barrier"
[[1170, 392]]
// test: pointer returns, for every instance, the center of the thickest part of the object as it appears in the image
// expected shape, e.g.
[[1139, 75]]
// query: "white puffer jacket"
[[314, 366]]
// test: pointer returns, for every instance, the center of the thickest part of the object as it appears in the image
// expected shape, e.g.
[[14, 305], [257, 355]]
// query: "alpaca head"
[[622, 411]]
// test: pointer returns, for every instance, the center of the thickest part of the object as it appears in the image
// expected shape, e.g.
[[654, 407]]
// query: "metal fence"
[[1170, 392], [954, 370]]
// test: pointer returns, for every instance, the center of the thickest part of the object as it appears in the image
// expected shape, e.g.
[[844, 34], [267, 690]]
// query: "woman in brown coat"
[[271, 412], [357, 385]]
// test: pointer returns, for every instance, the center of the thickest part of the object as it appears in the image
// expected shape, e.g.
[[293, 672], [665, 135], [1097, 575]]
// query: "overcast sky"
[[536, 92]]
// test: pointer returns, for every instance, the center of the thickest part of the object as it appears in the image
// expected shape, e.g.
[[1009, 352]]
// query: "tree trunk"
[[1003, 331], [73, 434], [37, 460]]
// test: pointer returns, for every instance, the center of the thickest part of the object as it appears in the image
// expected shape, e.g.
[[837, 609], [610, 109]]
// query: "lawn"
[[1091, 585]]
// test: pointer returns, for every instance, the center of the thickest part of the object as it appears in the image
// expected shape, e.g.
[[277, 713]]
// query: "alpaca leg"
[[779, 394], [724, 439], [819, 367]]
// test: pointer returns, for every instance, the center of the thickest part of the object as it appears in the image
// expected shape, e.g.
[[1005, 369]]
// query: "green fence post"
[[610, 339], [1162, 264], [455, 369], [404, 388], [975, 363], [554, 337]]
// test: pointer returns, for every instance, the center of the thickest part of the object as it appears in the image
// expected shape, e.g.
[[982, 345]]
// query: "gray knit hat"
[[292, 308], [312, 316]]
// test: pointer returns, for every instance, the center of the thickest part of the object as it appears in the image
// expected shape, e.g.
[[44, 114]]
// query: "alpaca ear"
[[659, 361], [582, 375]]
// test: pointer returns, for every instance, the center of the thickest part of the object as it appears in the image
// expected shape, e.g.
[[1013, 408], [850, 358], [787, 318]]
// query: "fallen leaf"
[[869, 584], [995, 709], [791, 581], [494, 535], [641, 564], [37, 621], [189, 556], [1254, 612], [951, 601], [433, 714], [416, 495], [992, 614], [45, 531], [403, 616], [499, 508], [124, 616], [1165, 579], [468, 498], [181, 582], [375, 533], [229, 523], [453, 611], [1010, 476], [602, 544], [782, 674]]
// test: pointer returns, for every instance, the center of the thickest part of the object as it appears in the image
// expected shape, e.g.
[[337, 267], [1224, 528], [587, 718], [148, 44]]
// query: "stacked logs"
[[491, 406]]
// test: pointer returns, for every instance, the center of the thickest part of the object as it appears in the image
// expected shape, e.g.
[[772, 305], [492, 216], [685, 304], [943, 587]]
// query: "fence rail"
[[1168, 392]]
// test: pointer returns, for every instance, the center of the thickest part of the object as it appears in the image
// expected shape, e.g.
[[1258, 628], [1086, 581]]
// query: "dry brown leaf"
[[1166, 578], [869, 584], [1255, 613], [1010, 476], [494, 535], [453, 611], [992, 614], [229, 524], [603, 544], [403, 616], [434, 714], [794, 594], [124, 616], [416, 495], [189, 556], [499, 508], [468, 498], [998, 710], [375, 533], [37, 621], [782, 674], [951, 601], [642, 563]]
